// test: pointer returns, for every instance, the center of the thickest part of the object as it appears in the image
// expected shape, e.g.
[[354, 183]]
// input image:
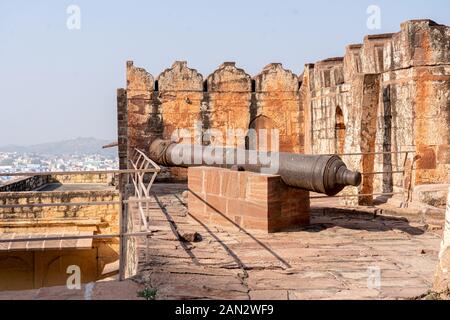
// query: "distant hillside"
[[66, 147]]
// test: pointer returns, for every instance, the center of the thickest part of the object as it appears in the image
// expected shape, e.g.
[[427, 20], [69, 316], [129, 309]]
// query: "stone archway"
[[339, 131], [253, 139], [16, 271]]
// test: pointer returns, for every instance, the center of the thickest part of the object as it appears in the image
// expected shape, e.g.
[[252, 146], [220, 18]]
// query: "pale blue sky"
[[60, 84]]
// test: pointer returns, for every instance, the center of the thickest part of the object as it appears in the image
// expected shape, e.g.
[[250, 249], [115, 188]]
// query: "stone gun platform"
[[245, 199]]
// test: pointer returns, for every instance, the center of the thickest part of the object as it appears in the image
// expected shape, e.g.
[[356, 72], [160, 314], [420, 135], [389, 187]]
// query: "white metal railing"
[[139, 161]]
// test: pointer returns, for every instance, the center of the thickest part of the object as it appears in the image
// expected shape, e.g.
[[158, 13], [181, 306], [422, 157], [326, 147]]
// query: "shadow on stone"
[[361, 221]]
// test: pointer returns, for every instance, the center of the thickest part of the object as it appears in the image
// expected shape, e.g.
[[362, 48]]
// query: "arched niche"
[[261, 135]]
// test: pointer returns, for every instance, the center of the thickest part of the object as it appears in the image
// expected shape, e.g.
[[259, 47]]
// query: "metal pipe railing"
[[357, 195], [70, 204], [381, 172], [369, 153], [57, 173], [80, 237]]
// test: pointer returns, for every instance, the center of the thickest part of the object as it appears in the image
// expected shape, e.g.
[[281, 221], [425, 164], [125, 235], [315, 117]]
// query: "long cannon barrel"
[[326, 174]]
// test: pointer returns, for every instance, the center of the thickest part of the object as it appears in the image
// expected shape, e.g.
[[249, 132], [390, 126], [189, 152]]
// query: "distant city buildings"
[[13, 162]]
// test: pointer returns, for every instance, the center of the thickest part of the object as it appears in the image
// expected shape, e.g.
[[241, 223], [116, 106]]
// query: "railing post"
[[122, 242]]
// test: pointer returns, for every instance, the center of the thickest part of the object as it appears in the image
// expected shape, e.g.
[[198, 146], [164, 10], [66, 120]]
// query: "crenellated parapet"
[[278, 107], [372, 52], [419, 43], [180, 78], [274, 78], [229, 78], [352, 61], [140, 83], [228, 104], [183, 105], [328, 73]]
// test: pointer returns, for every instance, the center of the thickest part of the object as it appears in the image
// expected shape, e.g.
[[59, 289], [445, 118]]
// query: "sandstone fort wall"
[[388, 94]]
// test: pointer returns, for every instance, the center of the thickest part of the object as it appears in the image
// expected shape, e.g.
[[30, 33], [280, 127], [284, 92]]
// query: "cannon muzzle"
[[326, 174]]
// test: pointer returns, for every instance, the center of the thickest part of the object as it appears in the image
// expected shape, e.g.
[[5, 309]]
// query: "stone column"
[[442, 277]]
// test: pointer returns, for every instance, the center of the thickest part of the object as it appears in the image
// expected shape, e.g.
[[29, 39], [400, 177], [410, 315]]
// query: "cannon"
[[325, 174]]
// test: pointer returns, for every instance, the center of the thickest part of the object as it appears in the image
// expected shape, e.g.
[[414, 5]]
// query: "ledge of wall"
[[25, 184]]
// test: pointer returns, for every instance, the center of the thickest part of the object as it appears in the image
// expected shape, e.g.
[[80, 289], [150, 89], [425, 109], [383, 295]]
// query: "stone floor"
[[337, 257]]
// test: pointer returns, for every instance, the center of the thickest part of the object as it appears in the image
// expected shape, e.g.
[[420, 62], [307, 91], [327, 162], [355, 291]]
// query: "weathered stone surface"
[[419, 43], [140, 85], [432, 194], [26, 219], [25, 184], [329, 260], [352, 61], [277, 96], [217, 111], [372, 53], [122, 131], [389, 94], [228, 105], [180, 98], [38, 266]]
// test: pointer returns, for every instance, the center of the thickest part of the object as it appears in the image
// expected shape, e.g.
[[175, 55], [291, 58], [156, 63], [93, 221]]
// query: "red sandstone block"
[[238, 220], [278, 226], [274, 208], [443, 153], [247, 208], [196, 195], [293, 210], [257, 187], [230, 186], [291, 198], [301, 220], [243, 184], [275, 186], [267, 204], [215, 204], [195, 179], [212, 180]]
